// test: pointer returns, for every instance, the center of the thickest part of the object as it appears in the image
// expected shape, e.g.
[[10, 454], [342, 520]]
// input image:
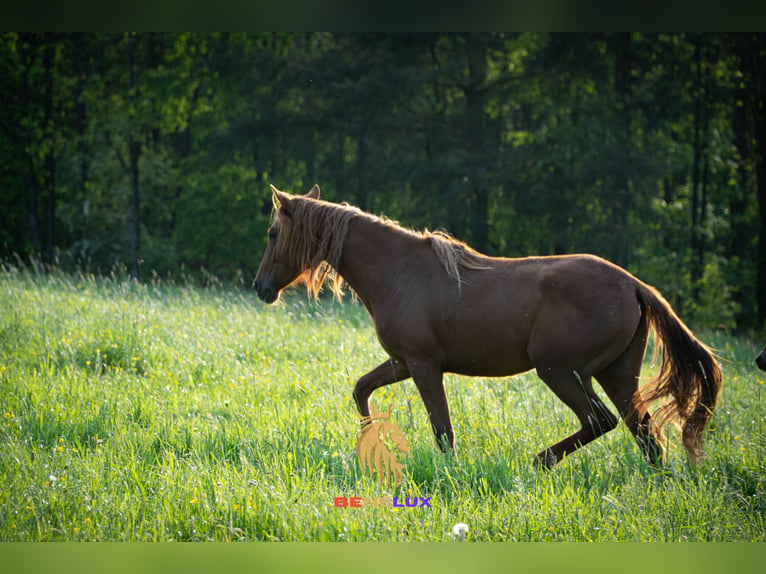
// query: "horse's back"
[[577, 310]]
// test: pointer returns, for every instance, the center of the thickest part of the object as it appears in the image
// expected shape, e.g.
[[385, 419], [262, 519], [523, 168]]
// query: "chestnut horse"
[[439, 306], [760, 360]]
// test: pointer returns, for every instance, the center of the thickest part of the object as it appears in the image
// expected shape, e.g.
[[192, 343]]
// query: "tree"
[[643, 148]]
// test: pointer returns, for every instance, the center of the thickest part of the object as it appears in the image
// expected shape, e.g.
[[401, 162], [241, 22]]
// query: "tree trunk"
[[738, 203], [308, 106], [30, 176], [757, 64], [760, 283], [362, 191], [50, 158], [476, 56], [185, 144], [752, 54], [703, 198], [694, 239], [134, 215], [340, 164], [81, 111], [621, 203], [134, 151]]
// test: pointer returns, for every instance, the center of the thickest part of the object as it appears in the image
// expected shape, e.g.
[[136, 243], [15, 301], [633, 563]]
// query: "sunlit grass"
[[161, 412]]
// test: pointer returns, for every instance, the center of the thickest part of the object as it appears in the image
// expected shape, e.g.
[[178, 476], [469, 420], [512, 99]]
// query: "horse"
[[439, 306], [760, 360]]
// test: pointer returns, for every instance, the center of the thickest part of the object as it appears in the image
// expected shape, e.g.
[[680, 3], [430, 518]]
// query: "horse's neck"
[[370, 254]]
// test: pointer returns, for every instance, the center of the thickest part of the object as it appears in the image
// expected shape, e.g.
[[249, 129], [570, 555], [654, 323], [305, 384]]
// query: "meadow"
[[161, 411]]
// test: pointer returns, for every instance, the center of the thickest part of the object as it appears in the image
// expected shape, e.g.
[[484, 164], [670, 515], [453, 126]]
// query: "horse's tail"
[[689, 372]]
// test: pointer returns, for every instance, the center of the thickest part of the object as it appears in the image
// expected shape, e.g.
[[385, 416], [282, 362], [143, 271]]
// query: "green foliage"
[[642, 148], [206, 234], [157, 412]]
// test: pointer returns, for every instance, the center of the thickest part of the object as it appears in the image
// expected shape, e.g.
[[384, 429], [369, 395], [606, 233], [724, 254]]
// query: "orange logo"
[[373, 450]]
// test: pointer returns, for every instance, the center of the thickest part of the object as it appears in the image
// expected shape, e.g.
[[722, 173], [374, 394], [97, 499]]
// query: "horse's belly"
[[477, 356]]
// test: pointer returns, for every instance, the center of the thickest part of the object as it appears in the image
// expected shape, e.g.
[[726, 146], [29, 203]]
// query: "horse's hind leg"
[[577, 393], [620, 382]]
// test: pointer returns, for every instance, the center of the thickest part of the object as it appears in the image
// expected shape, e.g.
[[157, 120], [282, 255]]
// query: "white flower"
[[460, 530]]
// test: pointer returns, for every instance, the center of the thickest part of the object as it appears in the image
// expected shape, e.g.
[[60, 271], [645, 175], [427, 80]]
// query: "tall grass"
[[167, 412]]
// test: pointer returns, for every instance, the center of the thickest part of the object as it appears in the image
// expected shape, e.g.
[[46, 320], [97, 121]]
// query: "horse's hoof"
[[545, 460]]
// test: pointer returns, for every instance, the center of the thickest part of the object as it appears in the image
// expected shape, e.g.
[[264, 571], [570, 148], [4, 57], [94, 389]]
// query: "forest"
[[151, 154]]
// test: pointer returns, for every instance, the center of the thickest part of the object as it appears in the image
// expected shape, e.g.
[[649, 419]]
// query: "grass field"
[[160, 412]]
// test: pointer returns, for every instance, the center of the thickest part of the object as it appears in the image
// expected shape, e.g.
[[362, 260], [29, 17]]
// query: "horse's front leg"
[[428, 378], [384, 374]]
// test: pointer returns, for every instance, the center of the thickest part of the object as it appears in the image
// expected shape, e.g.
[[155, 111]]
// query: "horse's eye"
[[272, 233]]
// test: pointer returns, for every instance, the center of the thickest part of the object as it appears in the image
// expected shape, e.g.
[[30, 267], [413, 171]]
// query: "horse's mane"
[[318, 231]]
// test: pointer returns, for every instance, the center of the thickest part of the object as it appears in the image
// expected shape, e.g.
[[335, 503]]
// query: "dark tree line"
[[154, 151]]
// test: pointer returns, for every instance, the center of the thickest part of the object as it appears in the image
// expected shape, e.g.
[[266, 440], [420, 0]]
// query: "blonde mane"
[[315, 231]]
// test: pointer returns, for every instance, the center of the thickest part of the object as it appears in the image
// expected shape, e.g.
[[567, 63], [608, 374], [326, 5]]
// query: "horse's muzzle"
[[760, 360], [266, 294]]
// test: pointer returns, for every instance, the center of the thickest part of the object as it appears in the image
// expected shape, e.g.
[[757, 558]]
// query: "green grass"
[[161, 412]]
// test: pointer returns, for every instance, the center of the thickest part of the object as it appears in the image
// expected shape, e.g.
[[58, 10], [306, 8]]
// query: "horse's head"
[[760, 360], [280, 267], [397, 436]]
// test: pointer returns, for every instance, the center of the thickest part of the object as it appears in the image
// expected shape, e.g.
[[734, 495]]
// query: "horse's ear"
[[280, 200], [314, 193]]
